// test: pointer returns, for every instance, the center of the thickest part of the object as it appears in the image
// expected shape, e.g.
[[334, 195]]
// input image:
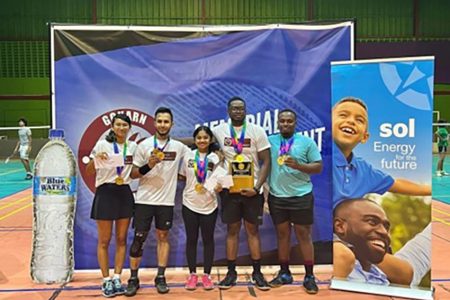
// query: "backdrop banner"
[[98, 71], [382, 170]]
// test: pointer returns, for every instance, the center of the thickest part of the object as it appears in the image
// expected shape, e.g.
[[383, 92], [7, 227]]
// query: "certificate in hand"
[[113, 161]]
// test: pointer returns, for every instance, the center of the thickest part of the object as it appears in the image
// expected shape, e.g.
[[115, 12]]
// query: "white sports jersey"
[[158, 186], [204, 203], [255, 141], [110, 175]]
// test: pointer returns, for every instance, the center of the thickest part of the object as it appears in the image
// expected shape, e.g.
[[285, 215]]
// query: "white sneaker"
[[444, 173], [439, 173]]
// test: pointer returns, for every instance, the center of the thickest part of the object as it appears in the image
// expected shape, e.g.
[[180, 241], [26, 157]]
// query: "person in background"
[[23, 146]]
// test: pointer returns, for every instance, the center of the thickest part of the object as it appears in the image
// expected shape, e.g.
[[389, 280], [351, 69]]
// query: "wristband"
[[144, 169]]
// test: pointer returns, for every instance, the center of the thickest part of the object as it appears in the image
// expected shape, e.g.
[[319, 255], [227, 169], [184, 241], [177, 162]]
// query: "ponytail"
[[111, 137]]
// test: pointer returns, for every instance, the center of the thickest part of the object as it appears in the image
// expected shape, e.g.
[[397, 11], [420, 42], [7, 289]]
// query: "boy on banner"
[[244, 145], [156, 164], [294, 158]]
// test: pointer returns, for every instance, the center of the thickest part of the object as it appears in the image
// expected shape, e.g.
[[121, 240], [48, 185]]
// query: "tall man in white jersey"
[[246, 142], [156, 164], [23, 146]]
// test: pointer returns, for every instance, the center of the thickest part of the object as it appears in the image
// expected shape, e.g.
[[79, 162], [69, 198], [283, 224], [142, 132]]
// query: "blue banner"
[[100, 72], [382, 171]]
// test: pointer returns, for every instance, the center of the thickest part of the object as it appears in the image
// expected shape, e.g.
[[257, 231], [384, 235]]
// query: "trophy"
[[243, 175]]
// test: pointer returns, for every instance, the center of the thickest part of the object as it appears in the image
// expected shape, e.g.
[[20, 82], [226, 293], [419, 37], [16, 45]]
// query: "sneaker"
[[191, 283], [118, 288], [161, 284], [259, 281], [28, 177], [439, 173], [132, 287], [444, 173], [282, 277], [229, 281], [108, 289], [309, 283], [207, 282]]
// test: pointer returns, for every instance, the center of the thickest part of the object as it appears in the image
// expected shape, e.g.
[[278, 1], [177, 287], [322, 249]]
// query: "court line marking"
[[15, 211], [10, 172], [15, 202], [434, 218], [441, 211]]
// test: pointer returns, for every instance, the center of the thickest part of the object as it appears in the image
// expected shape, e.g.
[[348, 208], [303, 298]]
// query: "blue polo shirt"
[[373, 276], [287, 182], [356, 178]]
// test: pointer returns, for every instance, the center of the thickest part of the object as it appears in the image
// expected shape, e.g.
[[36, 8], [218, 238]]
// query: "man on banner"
[[244, 145], [294, 158], [362, 225], [156, 164]]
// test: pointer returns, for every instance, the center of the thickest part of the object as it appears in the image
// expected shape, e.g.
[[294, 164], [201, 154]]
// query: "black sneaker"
[[28, 177], [161, 284], [132, 287], [282, 277], [229, 281], [309, 283], [259, 281]]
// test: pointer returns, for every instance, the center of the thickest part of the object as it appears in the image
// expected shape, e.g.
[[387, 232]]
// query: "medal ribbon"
[[155, 144], [200, 168], [116, 151], [285, 145], [238, 144]]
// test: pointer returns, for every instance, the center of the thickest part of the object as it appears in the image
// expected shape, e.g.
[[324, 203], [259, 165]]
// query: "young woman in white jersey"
[[113, 201], [200, 206]]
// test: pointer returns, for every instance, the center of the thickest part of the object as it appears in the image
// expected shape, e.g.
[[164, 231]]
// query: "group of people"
[[285, 161]]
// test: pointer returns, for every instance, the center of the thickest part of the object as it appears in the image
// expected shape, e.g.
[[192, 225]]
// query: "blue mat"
[[12, 178]]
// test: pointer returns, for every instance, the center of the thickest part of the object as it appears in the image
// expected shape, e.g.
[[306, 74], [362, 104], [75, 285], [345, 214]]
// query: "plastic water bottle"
[[54, 199]]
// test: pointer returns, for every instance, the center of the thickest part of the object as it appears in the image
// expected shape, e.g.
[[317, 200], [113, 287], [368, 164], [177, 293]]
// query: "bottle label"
[[54, 185]]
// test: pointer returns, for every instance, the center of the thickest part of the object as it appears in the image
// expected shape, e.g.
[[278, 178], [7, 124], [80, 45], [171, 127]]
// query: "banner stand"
[[392, 291]]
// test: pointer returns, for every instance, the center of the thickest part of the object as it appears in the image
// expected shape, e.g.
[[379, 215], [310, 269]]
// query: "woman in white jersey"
[[200, 206], [113, 201]]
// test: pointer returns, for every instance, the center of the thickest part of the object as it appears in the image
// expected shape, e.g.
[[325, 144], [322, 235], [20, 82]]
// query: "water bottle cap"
[[56, 133]]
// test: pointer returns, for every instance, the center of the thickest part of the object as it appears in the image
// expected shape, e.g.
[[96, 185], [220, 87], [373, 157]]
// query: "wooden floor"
[[15, 283]]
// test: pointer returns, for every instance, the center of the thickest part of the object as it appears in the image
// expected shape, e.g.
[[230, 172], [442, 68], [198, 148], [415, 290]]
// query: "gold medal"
[[241, 166], [281, 159], [199, 188], [159, 154], [119, 180], [239, 158]]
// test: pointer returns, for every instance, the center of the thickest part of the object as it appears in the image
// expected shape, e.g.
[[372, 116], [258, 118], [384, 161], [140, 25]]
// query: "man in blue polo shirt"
[[294, 158]]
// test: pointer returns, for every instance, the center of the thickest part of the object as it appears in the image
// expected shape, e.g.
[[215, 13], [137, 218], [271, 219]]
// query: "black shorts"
[[297, 214], [143, 216], [236, 207], [442, 149], [112, 202]]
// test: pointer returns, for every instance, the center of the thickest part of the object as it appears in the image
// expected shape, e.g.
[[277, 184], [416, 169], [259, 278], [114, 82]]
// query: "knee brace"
[[137, 247]]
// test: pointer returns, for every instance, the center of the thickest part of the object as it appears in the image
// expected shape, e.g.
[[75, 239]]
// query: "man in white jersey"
[[246, 142], [23, 146], [156, 164]]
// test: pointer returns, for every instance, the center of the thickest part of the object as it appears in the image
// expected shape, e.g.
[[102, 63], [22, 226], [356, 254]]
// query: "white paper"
[[113, 161], [219, 175]]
